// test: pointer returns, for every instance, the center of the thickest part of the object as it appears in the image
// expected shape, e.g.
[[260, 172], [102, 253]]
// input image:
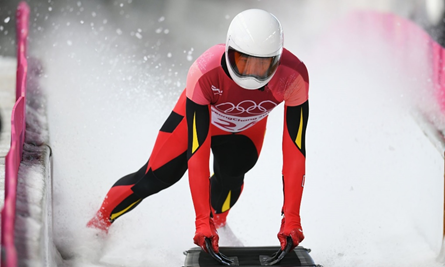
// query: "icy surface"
[[373, 194]]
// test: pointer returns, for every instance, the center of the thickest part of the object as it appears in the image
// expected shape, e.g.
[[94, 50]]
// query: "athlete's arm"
[[199, 97], [296, 113], [294, 168], [198, 154]]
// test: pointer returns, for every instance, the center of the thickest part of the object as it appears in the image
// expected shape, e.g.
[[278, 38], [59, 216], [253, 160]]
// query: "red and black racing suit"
[[215, 114]]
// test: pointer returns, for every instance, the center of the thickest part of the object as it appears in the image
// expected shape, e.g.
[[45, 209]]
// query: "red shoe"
[[220, 219], [99, 222]]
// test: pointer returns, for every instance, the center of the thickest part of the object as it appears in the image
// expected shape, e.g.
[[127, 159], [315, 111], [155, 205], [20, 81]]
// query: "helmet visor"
[[245, 65]]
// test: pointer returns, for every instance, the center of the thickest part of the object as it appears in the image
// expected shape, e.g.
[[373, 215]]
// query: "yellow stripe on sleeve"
[[195, 144], [300, 131]]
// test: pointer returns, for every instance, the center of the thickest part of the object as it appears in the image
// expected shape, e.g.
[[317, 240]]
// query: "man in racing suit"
[[231, 88]]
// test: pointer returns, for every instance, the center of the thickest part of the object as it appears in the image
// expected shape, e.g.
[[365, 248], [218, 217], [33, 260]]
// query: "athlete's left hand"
[[292, 229], [290, 236]]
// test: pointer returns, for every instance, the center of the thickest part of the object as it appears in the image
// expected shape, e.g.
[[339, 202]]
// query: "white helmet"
[[253, 48]]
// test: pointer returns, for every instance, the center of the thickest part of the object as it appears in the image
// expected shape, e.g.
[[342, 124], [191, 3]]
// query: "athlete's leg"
[[167, 164], [234, 156]]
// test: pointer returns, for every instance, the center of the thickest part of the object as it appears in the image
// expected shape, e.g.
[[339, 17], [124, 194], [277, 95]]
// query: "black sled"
[[249, 257]]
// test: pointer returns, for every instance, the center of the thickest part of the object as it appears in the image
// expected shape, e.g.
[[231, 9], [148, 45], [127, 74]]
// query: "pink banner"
[[14, 156], [22, 16], [438, 74], [12, 163], [409, 44]]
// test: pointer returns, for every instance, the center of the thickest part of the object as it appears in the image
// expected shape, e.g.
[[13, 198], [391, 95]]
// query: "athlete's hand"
[[206, 229], [292, 229]]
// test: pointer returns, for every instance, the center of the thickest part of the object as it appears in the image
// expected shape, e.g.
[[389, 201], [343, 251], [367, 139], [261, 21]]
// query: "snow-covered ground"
[[374, 183]]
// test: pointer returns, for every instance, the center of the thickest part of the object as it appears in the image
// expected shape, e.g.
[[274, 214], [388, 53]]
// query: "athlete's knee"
[[234, 155], [153, 181], [221, 183], [132, 178], [225, 192], [149, 185]]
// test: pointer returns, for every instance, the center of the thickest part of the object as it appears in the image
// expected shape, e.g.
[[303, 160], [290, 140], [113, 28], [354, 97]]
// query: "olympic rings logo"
[[246, 106]]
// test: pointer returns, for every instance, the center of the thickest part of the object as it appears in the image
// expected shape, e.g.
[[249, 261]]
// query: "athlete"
[[230, 91]]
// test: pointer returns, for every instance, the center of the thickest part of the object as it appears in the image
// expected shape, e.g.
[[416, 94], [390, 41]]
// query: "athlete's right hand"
[[206, 229]]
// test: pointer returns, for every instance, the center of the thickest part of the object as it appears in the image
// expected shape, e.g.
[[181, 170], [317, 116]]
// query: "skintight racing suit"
[[215, 114]]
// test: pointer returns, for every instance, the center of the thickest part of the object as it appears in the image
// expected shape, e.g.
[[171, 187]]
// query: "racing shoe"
[[99, 222], [220, 219]]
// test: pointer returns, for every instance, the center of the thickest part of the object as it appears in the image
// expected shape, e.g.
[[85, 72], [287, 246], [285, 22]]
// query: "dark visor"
[[250, 66]]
